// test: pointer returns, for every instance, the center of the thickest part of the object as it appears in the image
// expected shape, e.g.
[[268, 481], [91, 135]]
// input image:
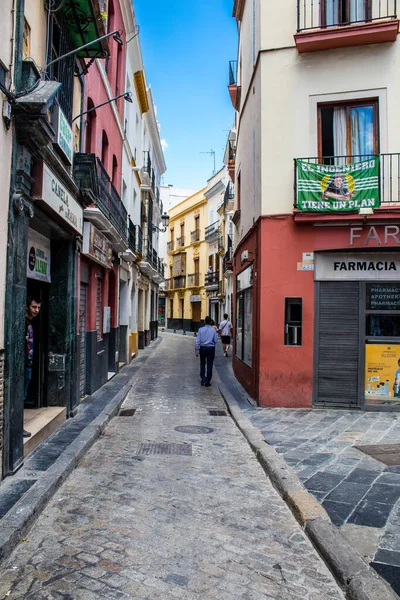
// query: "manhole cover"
[[193, 429], [217, 413], [185, 449], [389, 454], [127, 412]]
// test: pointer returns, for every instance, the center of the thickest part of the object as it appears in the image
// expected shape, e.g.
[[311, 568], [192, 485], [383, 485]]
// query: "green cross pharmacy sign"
[[330, 188]]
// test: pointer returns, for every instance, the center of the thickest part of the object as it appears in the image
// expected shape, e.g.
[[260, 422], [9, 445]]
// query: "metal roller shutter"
[[82, 329], [337, 344]]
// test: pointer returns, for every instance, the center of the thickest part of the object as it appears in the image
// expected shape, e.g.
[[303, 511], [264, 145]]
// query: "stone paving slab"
[[127, 524], [23, 495], [359, 493]]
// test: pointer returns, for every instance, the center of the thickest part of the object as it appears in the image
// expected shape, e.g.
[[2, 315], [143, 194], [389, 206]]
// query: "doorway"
[[37, 391]]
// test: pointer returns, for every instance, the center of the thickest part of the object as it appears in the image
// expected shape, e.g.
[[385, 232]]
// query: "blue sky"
[[186, 49]]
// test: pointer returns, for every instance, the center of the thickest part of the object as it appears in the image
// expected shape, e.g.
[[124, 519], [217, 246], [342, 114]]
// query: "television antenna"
[[211, 153]]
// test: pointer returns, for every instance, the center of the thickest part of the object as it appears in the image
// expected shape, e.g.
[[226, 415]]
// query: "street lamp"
[[115, 34], [126, 95], [165, 221]]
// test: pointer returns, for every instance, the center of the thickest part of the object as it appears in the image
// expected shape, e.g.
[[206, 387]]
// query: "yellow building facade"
[[187, 264]]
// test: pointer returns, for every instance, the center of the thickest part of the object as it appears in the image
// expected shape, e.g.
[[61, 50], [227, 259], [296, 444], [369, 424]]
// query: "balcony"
[[211, 281], [130, 253], [149, 263], [104, 207], [229, 198], [139, 240], [84, 24], [231, 158], [212, 232], [195, 236], [194, 280], [327, 24], [161, 267], [175, 283], [233, 88], [221, 247], [228, 258], [180, 242], [170, 246], [347, 186]]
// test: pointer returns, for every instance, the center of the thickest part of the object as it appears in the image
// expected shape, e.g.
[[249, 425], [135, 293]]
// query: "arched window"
[[104, 150], [90, 134]]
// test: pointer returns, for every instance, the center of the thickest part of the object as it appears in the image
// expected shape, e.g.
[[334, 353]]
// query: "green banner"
[[330, 188]]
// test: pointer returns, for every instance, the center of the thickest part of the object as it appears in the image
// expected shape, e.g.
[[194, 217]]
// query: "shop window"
[[293, 321], [244, 316], [348, 130]]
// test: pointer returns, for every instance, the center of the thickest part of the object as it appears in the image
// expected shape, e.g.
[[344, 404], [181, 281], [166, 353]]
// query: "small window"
[[293, 321]]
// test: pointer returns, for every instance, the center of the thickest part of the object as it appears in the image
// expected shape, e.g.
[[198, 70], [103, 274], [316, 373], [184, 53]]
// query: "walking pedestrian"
[[205, 346], [225, 331]]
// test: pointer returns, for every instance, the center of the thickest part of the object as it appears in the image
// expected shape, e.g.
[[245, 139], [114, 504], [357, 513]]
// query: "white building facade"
[[143, 165]]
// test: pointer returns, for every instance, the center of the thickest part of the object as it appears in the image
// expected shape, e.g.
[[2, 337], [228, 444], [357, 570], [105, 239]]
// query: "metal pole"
[[117, 31]]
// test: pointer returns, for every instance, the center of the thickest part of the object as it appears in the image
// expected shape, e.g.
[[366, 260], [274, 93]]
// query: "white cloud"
[[164, 144]]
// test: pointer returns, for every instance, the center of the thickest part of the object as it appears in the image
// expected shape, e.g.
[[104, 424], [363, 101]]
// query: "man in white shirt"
[[205, 346], [225, 331]]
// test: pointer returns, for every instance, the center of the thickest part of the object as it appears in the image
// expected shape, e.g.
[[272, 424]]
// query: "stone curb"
[[357, 579], [17, 522]]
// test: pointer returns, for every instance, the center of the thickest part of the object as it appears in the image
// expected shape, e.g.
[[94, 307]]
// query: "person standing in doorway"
[[32, 311], [225, 331], [205, 346]]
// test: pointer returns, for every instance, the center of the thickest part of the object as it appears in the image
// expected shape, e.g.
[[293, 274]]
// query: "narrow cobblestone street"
[[153, 512]]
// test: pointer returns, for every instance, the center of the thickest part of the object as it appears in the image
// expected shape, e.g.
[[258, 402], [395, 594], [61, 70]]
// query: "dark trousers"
[[207, 354]]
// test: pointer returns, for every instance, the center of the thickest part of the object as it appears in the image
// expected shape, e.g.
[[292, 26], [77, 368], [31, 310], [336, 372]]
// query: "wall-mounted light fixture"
[[116, 35], [126, 95], [165, 221]]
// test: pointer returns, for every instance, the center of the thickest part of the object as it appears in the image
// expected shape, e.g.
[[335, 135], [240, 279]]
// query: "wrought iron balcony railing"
[[139, 240], [180, 241], [154, 259], [131, 236], [147, 162], [194, 280], [178, 282], [317, 14], [195, 236], [212, 230], [211, 279], [161, 267], [92, 177], [388, 175], [170, 246]]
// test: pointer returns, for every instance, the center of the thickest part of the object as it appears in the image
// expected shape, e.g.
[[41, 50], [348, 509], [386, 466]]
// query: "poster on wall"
[[330, 188], [382, 372], [38, 260]]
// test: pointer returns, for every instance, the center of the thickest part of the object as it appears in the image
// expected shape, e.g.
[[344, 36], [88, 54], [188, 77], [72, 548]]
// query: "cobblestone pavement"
[[360, 494], [153, 512]]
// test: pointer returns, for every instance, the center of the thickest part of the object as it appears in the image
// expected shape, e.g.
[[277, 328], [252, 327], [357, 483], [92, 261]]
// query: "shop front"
[[357, 330], [44, 270]]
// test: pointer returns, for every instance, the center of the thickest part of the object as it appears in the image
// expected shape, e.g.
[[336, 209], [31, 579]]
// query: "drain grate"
[[389, 454], [183, 449], [217, 413], [193, 429], [127, 412]]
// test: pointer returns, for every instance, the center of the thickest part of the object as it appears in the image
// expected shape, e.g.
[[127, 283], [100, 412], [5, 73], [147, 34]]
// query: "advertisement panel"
[[382, 372], [330, 188], [38, 260]]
